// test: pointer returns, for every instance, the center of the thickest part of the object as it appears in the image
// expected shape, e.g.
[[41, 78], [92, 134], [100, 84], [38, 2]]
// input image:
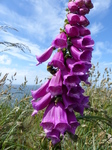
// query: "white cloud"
[[100, 5], [96, 28], [5, 60], [108, 64], [43, 22], [102, 49], [98, 47], [97, 53], [108, 47], [50, 16]]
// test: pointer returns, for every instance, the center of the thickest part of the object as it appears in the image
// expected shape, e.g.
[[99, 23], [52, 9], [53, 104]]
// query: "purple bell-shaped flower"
[[72, 31], [80, 55], [41, 91], [75, 91], [69, 102], [83, 10], [54, 135], [72, 121], [88, 4], [83, 43], [70, 79], [58, 60], [41, 103], [45, 56], [60, 41], [55, 85], [73, 18], [61, 122], [84, 104], [83, 31], [72, 6], [84, 21], [78, 68], [79, 3], [48, 121]]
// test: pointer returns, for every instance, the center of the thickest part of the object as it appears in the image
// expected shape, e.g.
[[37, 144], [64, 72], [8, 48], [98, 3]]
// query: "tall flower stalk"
[[62, 95]]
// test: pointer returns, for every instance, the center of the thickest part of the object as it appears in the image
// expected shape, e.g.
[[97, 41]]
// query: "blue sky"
[[38, 22]]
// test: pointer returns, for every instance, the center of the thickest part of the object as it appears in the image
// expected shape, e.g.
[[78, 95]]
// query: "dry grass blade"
[[6, 27], [9, 45], [2, 81]]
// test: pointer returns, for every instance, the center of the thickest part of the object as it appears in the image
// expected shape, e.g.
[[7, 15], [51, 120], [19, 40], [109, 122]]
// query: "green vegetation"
[[20, 131]]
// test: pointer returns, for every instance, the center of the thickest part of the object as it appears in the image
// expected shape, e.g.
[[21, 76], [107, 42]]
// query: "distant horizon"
[[25, 85]]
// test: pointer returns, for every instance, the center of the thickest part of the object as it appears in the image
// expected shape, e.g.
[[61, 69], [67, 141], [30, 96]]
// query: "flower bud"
[[73, 18], [72, 7], [71, 30]]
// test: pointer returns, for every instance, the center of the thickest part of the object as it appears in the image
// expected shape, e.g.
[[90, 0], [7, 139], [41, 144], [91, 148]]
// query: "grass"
[[20, 131]]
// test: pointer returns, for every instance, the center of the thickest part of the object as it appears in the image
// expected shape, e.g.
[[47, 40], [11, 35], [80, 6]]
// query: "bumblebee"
[[51, 69]]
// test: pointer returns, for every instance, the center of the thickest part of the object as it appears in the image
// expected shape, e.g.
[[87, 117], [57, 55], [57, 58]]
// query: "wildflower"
[[84, 78], [83, 31], [62, 95], [75, 91], [54, 135], [55, 85], [69, 102], [83, 43], [83, 10], [58, 60], [88, 4], [61, 122], [71, 30], [45, 56], [70, 79], [41, 91], [80, 55], [73, 18], [84, 104], [72, 121], [84, 21], [55, 119], [48, 121], [60, 41], [79, 3], [78, 68], [41, 103], [72, 7]]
